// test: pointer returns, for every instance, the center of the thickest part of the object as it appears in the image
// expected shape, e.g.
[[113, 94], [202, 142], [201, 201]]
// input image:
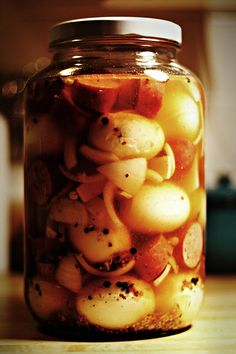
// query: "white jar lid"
[[105, 26]]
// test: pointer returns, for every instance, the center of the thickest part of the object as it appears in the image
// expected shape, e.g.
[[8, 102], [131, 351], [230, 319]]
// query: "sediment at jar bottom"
[[115, 205], [124, 304]]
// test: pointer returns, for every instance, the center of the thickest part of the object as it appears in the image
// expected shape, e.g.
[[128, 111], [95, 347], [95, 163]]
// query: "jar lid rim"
[[115, 25]]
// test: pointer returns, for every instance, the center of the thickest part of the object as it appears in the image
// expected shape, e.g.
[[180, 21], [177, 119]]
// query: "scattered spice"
[[124, 286], [105, 120], [194, 280], [90, 297], [105, 231], [123, 143], [188, 79], [76, 224], [133, 250], [106, 284], [86, 230], [128, 288], [92, 228], [115, 262], [119, 284], [126, 175], [187, 284], [116, 129], [109, 244]]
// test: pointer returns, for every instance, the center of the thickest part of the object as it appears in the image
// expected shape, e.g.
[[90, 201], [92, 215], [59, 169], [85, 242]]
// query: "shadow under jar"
[[114, 182]]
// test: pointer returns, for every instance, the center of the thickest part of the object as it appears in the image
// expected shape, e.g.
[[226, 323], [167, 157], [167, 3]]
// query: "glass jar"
[[114, 182]]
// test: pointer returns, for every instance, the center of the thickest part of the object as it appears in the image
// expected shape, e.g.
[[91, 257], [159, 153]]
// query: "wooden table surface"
[[213, 332]]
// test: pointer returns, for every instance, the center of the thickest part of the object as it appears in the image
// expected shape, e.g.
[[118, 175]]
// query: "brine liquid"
[[115, 202]]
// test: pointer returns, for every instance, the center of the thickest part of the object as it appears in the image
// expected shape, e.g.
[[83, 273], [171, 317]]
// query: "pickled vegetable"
[[128, 175], [127, 93], [68, 274], [95, 92], [156, 208], [115, 201], [152, 258], [184, 152], [179, 115], [128, 300], [180, 292], [161, 165], [191, 181], [68, 211], [98, 245], [97, 156], [189, 248], [149, 97], [46, 298], [88, 191], [198, 206], [127, 135]]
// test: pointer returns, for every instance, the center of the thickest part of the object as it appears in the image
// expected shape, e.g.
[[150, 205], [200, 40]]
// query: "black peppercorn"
[[105, 120], [106, 284]]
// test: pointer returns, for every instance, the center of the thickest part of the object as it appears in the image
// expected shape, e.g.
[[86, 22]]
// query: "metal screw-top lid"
[[106, 26]]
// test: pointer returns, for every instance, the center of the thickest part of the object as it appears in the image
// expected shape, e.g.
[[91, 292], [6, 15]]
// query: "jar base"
[[90, 335]]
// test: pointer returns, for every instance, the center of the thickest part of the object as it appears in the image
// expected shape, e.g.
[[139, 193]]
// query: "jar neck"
[[121, 51]]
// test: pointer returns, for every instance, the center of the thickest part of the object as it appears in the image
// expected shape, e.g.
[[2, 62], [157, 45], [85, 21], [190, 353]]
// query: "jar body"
[[115, 199]]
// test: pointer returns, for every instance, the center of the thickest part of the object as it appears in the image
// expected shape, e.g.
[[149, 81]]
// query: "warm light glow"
[[157, 75], [159, 4], [41, 63], [68, 72], [9, 89]]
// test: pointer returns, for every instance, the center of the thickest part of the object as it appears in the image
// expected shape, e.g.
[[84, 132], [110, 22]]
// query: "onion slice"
[[97, 156], [169, 152], [163, 275], [153, 176], [108, 197], [174, 265], [200, 132], [92, 270]]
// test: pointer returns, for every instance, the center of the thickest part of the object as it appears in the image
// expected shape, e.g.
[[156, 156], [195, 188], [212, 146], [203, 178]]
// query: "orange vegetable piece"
[[127, 94], [153, 257], [95, 92], [184, 152], [149, 97], [188, 252]]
